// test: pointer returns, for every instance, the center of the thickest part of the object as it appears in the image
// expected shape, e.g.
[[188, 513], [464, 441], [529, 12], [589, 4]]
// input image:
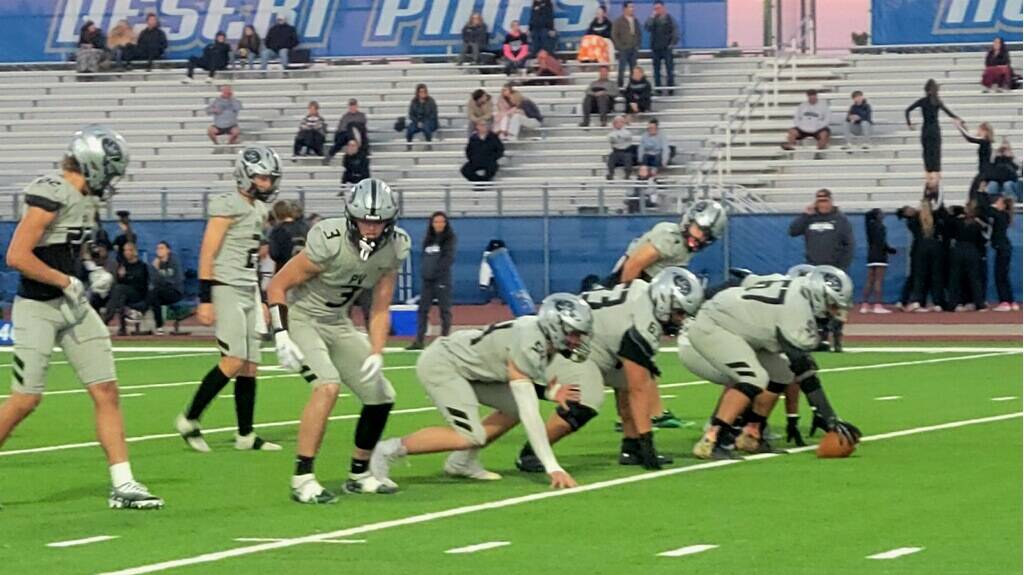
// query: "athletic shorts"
[[725, 358], [800, 134], [334, 353], [39, 326], [223, 131], [235, 310]]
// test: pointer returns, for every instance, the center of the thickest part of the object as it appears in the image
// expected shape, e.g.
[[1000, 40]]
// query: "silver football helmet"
[[102, 157], [830, 292], [371, 200], [675, 290], [710, 217], [800, 270], [258, 161], [563, 315]]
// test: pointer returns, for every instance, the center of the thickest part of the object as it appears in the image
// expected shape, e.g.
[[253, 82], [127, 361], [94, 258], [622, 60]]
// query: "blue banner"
[[48, 29], [944, 21]]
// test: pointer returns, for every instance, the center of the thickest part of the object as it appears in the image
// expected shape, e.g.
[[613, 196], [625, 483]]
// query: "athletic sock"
[[213, 382], [303, 465], [121, 473], [359, 466], [245, 403]]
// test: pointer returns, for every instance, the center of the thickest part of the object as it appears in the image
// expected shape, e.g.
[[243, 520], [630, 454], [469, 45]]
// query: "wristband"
[[279, 317], [205, 291]]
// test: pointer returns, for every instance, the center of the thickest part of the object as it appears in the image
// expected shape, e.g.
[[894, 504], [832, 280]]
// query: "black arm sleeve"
[[801, 362], [636, 349]]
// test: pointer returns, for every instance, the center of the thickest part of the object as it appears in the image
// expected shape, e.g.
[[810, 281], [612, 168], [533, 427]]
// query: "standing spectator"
[[312, 133], [351, 126], [810, 121], [121, 43], [626, 36], [92, 48], [931, 134], [215, 57], [985, 136], [966, 267], [858, 121], [927, 228], [152, 42], [542, 27], [224, 109], [479, 109], [281, 39], [1003, 176], [638, 93], [600, 25], [422, 115], [515, 49], [482, 154], [288, 235], [474, 39], [168, 283], [131, 287], [622, 148], [664, 35], [436, 273], [878, 261], [247, 49], [1001, 215], [600, 97], [356, 164], [998, 72], [654, 151], [909, 215]]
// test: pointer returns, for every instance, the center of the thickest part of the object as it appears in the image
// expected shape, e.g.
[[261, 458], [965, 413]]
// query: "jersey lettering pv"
[[236, 262], [667, 238], [762, 308], [343, 276], [624, 326], [61, 244], [483, 355]]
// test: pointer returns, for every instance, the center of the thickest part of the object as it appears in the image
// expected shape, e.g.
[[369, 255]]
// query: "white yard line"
[[1005, 398], [502, 503], [124, 395], [134, 357], [271, 539], [911, 349], [85, 541], [889, 398], [896, 553], [478, 547], [182, 348], [688, 550]]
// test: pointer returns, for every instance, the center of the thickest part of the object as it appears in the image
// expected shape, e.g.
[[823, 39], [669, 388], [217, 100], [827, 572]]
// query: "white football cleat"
[[366, 483], [254, 442], [133, 495], [467, 464], [191, 433], [384, 454], [306, 489]]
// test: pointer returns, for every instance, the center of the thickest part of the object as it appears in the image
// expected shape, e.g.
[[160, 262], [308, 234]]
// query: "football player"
[[229, 296], [504, 367], [51, 308], [309, 301]]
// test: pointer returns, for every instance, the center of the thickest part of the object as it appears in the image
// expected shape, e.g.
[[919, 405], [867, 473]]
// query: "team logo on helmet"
[[567, 307], [251, 155], [833, 282], [111, 149], [683, 284]]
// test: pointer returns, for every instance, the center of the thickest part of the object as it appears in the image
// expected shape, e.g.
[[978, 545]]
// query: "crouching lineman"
[[629, 320], [502, 367], [51, 308], [757, 338], [342, 257]]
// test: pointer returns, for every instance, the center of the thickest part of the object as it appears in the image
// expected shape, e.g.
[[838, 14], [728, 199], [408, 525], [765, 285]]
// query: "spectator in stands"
[[356, 164], [474, 39], [600, 97], [600, 25], [966, 268], [931, 134], [168, 283], [596, 45], [507, 106], [542, 27], [1001, 216], [638, 93], [422, 115], [654, 151], [126, 235], [998, 72], [121, 42], [878, 261], [101, 256], [479, 109], [281, 39], [908, 214], [265, 267], [810, 121], [312, 133], [622, 148], [515, 49], [858, 121], [482, 154], [247, 49], [926, 225], [626, 36], [131, 288], [152, 42], [1003, 176], [515, 112], [351, 126], [549, 66], [436, 274], [288, 236], [92, 48], [215, 57], [224, 109], [664, 34]]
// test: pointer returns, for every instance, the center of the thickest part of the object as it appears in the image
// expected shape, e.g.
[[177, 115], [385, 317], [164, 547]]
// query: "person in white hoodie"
[[810, 121]]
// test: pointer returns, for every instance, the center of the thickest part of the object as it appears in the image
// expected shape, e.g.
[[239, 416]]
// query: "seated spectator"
[[168, 283], [858, 121], [600, 97], [638, 92], [596, 45], [507, 106], [215, 57], [152, 42], [247, 49], [351, 126], [224, 109], [516, 112], [549, 66], [654, 151], [515, 49], [281, 39], [422, 115], [131, 288], [288, 235], [312, 133], [121, 42], [1004, 174], [600, 25], [479, 109], [356, 164], [998, 72], [810, 121], [92, 48], [622, 148], [474, 39], [101, 256], [482, 154]]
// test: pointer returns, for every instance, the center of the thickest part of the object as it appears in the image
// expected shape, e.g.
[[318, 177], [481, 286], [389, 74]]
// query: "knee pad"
[[371, 424], [747, 389], [577, 415], [810, 385], [776, 387]]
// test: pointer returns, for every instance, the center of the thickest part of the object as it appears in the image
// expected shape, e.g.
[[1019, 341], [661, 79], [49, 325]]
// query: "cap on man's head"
[[812, 92], [353, 102], [823, 193]]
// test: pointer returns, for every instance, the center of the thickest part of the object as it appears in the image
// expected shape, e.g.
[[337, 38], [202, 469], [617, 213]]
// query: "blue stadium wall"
[[944, 21]]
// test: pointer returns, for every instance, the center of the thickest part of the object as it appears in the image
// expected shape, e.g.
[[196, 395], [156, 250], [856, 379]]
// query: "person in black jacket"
[[542, 27], [215, 57], [422, 115], [151, 44], [1001, 215], [132, 286], [966, 267], [482, 154], [998, 71], [926, 226], [878, 261], [1003, 177], [288, 235], [436, 272], [600, 25], [638, 92], [281, 39], [356, 163], [931, 134], [664, 35], [168, 283], [474, 39]]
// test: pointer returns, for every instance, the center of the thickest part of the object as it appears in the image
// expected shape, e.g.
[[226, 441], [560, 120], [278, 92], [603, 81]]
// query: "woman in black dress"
[[985, 136], [931, 135]]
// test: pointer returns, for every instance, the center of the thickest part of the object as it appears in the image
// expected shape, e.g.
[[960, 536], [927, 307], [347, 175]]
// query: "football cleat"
[[529, 463], [191, 433], [710, 450], [254, 442], [750, 444], [467, 464], [133, 495], [366, 483], [384, 454], [668, 420], [306, 489]]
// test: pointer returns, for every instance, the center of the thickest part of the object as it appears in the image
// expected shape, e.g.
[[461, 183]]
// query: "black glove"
[[818, 423], [648, 455], [847, 430], [793, 431]]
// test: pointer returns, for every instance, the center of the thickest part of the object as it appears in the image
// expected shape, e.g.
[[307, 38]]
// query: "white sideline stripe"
[[181, 349], [898, 552], [668, 397], [270, 539], [688, 550], [132, 395], [478, 547], [86, 541], [133, 358], [501, 503], [910, 349], [1005, 398], [889, 398]]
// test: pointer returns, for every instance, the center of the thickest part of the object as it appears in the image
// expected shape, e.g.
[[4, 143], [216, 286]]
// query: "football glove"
[[289, 356], [648, 455], [817, 423], [793, 434], [847, 430]]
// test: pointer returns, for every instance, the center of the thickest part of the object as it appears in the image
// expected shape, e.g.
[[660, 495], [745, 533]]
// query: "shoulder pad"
[[226, 205], [324, 240]]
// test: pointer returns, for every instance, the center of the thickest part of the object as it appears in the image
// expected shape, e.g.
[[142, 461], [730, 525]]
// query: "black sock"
[[303, 465], [526, 451], [630, 444], [245, 403], [359, 465], [213, 382]]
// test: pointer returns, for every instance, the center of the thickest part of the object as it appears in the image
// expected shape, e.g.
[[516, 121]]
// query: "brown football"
[[834, 445]]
